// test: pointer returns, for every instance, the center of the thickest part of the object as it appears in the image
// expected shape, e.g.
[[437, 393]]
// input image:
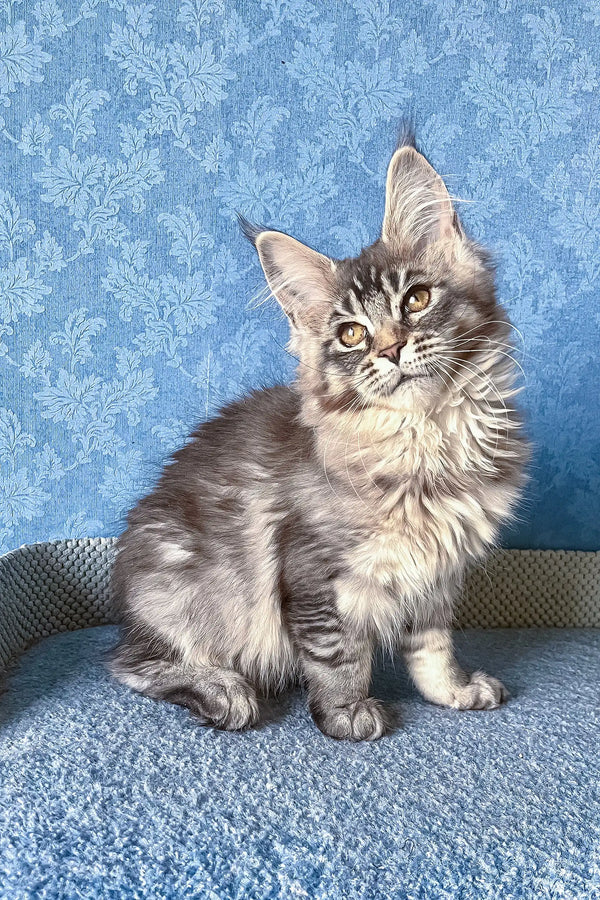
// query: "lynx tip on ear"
[[250, 229], [406, 133]]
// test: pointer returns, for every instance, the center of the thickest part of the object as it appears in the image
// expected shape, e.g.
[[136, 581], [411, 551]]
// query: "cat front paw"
[[363, 720], [481, 692], [235, 707], [224, 700]]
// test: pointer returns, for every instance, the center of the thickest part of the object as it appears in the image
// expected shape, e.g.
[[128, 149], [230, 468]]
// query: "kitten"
[[307, 523]]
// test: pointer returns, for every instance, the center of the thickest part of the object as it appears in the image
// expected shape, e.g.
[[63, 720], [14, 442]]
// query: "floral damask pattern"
[[132, 134]]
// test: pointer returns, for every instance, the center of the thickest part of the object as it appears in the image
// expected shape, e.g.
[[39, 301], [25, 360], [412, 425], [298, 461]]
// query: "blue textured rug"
[[106, 794]]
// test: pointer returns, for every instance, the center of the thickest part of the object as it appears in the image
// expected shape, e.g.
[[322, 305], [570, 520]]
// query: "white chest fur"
[[428, 498]]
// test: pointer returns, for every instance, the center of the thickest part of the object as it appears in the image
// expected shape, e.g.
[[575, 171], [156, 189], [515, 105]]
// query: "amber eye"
[[418, 299], [352, 334]]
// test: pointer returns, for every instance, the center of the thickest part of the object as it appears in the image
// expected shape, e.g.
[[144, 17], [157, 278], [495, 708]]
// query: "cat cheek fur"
[[305, 524]]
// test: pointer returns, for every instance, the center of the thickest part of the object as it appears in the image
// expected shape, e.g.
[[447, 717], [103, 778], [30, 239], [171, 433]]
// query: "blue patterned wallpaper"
[[132, 133]]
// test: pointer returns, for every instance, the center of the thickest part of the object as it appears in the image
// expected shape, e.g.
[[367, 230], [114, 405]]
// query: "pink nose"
[[393, 352]]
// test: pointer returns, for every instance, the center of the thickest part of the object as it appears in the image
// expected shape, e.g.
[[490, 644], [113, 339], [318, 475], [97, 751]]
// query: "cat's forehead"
[[377, 281]]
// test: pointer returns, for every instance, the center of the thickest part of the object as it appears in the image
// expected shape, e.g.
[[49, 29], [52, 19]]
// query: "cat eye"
[[352, 334], [418, 299]]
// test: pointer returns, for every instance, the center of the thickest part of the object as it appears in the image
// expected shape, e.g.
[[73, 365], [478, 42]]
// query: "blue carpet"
[[106, 794]]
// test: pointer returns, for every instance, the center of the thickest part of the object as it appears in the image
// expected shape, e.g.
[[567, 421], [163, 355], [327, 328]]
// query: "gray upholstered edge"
[[58, 586]]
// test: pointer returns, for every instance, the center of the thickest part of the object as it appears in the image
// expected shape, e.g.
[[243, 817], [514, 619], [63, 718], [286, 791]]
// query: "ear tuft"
[[250, 229], [406, 133]]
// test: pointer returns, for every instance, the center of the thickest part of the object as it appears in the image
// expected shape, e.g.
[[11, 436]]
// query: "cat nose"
[[393, 352]]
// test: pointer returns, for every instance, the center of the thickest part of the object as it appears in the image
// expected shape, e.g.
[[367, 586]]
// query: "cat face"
[[399, 329], [397, 325]]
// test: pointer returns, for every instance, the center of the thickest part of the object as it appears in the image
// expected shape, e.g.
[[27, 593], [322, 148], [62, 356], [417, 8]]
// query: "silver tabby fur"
[[306, 524]]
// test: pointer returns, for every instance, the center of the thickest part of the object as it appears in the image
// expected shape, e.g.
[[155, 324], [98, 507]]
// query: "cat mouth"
[[405, 378], [392, 385]]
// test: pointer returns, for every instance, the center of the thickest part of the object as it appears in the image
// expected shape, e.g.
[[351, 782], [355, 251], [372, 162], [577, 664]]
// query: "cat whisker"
[[475, 370], [481, 374], [360, 456], [498, 322], [325, 468], [350, 407], [456, 345], [492, 342], [362, 500], [260, 298], [461, 390]]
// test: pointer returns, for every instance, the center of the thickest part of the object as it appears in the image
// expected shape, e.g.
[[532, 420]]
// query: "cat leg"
[[216, 696], [337, 681], [429, 656]]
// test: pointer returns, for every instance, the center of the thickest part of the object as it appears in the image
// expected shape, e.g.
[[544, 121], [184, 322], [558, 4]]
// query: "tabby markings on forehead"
[[387, 284], [394, 296], [354, 302]]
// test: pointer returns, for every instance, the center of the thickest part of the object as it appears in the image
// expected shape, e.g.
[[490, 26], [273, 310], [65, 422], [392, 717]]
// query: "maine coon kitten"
[[307, 523]]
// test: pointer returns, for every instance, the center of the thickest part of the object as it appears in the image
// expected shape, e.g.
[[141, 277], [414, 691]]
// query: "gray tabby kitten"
[[308, 523]]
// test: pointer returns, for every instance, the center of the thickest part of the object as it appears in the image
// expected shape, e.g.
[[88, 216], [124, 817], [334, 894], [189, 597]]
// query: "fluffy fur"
[[308, 523]]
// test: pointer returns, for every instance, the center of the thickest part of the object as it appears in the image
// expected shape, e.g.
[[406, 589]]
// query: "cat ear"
[[300, 278], [418, 209]]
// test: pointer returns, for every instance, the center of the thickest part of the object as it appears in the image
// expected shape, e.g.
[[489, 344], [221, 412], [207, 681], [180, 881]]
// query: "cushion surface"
[[105, 793]]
